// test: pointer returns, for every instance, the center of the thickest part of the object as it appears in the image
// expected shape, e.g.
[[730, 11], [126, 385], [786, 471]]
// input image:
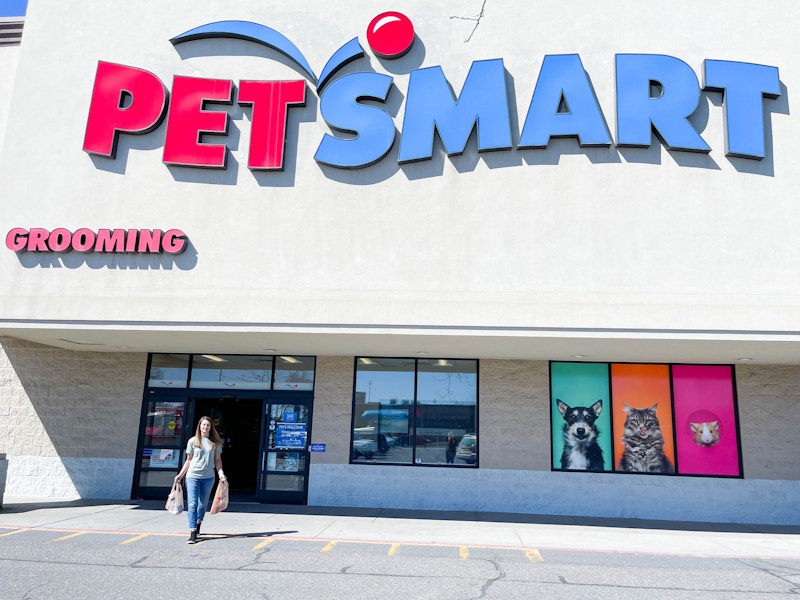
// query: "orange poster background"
[[641, 386]]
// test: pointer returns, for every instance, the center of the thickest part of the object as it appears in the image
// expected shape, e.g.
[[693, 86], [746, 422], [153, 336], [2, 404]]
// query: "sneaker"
[[192, 537], [198, 528]]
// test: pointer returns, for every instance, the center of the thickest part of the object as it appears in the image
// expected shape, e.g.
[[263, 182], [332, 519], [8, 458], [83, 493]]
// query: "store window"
[[232, 372], [415, 411], [168, 370], [294, 373], [162, 446]]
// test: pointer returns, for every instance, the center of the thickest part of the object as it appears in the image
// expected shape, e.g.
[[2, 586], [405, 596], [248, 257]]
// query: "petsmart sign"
[[653, 93]]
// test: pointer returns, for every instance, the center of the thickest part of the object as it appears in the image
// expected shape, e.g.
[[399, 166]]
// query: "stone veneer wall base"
[[69, 478], [710, 500]]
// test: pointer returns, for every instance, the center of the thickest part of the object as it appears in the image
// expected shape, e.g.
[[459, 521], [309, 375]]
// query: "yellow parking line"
[[136, 538], [263, 544], [71, 535], [533, 555], [12, 532], [329, 547], [463, 552], [393, 549]]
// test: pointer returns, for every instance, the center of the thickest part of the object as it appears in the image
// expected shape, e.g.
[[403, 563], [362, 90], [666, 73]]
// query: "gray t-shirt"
[[202, 465]]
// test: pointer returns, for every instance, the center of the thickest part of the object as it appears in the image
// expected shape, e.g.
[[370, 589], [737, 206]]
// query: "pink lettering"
[[124, 99]]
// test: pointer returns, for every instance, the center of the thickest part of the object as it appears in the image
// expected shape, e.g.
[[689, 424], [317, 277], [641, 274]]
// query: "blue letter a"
[[564, 105]]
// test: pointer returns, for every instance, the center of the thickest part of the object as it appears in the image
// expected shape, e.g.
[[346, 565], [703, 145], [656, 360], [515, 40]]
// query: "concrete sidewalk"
[[501, 530]]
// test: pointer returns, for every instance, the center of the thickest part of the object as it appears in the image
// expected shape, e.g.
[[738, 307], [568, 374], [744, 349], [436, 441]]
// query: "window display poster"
[[283, 461], [705, 420], [581, 416], [290, 435], [164, 458], [642, 416]]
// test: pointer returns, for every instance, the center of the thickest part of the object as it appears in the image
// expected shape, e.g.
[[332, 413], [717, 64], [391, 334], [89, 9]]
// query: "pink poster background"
[[701, 394]]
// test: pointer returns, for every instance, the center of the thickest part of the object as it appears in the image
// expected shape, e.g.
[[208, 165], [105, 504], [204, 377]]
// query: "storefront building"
[[498, 257]]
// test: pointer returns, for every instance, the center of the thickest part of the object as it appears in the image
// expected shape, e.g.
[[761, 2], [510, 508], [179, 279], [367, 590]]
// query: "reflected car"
[[367, 445], [413, 440], [466, 448]]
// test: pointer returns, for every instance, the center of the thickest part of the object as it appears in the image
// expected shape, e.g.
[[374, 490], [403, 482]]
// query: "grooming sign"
[[653, 93], [102, 241]]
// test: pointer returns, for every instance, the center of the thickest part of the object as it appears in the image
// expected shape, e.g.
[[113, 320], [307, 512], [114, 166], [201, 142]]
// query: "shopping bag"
[[175, 500], [220, 498]]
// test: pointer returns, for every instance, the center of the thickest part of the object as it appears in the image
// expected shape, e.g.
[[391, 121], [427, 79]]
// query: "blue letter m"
[[431, 106]]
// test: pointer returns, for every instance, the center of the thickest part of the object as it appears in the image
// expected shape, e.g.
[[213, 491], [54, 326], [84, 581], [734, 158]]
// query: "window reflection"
[[384, 398], [408, 411], [231, 372], [294, 373], [168, 370]]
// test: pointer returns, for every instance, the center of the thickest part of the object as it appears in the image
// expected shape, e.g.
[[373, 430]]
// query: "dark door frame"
[[188, 395]]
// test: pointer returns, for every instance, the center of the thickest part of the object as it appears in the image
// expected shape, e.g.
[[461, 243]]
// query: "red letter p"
[[125, 99]]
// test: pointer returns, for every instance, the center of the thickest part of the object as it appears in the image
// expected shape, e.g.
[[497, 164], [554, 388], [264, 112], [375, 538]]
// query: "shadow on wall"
[[77, 413], [115, 261], [3, 473]]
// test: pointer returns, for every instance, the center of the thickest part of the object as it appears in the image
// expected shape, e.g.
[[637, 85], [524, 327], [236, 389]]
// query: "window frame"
[[413, 409]]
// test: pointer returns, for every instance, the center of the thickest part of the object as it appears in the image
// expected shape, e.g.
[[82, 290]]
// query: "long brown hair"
[[213, 435]]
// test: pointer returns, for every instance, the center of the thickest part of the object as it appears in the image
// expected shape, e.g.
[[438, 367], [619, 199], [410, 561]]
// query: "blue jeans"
[[197, 493]]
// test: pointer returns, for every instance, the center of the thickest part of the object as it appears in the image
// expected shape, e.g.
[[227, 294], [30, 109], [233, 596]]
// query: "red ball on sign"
[[390, 35]]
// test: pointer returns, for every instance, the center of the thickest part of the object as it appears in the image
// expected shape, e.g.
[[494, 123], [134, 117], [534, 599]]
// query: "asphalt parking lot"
[[137, 550]]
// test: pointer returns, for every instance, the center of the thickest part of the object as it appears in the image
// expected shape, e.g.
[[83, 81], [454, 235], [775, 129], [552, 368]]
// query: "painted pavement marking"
[[263, 544], [68, 537], [532, 554], [136, 538], [13, 532]]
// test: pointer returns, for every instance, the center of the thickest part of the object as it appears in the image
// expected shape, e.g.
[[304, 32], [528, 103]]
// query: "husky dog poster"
[[580, 416]]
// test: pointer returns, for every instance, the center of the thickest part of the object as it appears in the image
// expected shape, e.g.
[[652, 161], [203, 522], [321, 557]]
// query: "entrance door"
[[283, 468], [238, 421]]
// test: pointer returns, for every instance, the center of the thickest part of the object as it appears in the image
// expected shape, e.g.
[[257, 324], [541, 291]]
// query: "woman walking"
[[202, 456]]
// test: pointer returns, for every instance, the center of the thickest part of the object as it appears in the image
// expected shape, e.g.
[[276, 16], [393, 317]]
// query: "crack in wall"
[[476, 18]]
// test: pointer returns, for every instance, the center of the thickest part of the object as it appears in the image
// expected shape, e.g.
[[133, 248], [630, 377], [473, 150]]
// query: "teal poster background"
[[580, 384]]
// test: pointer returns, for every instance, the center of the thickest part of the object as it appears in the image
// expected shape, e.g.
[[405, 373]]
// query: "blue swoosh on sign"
[[253, 32]]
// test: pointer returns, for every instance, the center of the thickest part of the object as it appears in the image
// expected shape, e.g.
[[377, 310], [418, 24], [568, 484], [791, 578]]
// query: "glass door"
[[283, 467], [238, 422]]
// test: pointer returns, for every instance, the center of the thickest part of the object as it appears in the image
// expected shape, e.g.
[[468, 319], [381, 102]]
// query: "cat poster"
[[705, 420], [642, 418], [580, 416]]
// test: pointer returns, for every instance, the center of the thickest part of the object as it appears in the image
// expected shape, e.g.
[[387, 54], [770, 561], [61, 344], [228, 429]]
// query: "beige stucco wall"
[[601, 238], [333, 405], [769, 411], [68, 418], [513, 418], [9, 56]]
